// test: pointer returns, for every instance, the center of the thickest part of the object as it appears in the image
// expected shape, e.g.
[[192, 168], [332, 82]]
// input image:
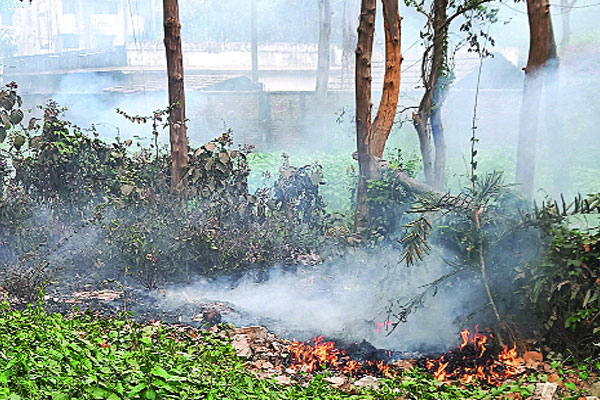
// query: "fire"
[[319, 355], [474, 361], [477, 359]]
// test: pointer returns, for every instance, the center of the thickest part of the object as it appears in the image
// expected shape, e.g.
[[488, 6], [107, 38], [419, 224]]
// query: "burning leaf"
[[474, 361]]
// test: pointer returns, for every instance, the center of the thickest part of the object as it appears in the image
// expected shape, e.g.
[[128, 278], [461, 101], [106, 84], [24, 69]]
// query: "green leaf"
[[150, 394], [571, 386], [137, 389], [586, 299], [160, 372], [99, 393]]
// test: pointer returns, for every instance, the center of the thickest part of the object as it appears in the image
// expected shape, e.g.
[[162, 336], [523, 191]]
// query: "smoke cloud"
[[346, 299]]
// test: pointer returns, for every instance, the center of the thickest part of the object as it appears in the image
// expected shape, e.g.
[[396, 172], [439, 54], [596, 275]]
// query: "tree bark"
[[386, 112], [366, 164], [177, 127], [432, 100], [324, 52], [372, 136], [539, 50]]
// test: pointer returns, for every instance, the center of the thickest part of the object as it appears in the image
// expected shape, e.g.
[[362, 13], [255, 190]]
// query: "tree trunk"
[[177, 127], [364, 53], [539, 48], [386, 112], [324, 51], [254, 39], [371, 137], [432, 100]]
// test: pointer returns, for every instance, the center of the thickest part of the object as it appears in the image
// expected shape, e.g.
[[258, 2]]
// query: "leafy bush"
[[564, 288], [56, 176]]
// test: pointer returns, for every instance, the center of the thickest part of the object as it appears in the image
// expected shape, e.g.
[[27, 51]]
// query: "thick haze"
[[347, 298]]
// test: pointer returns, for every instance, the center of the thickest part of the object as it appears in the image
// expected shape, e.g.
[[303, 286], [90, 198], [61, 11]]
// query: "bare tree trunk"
[[421, 127], [371, 137], [431, 68], [254, 39], [324, 57], [440, 16], [177, 127], [364, 53], [386, 112], [539, 48]]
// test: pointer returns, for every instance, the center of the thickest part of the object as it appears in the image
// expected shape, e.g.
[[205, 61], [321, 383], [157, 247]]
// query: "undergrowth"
[[50, 356]]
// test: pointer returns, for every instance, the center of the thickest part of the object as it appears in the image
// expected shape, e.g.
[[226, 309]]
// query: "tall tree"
[[177, 121], [324, 51], [541, 48], [371, 136], [436, 75], [430, 106]]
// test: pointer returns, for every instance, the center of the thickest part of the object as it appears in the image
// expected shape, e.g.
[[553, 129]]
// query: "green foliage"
[[50, 356], [566, 290], [475, 230], [56, 180]]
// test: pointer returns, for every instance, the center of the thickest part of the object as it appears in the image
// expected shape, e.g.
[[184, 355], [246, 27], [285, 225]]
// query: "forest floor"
[[102, 353]]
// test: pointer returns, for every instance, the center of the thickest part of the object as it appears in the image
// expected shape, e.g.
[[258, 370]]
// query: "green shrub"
[[564, 288]]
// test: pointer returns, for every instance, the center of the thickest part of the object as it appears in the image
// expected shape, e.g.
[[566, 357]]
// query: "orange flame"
[[473, 362], [321, 355]]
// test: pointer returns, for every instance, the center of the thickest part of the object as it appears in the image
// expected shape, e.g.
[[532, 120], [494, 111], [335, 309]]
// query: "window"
[[69, 7], [7, 17], [70, 41], [105, 7]]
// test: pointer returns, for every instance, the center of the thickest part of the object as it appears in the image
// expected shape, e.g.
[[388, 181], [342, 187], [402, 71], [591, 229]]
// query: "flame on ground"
[[319, 355], [474, 361]]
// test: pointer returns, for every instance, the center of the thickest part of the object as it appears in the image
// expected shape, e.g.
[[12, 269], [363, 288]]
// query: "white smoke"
[[346, 299]]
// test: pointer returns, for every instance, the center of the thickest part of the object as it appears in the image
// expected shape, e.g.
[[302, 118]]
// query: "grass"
[[50, 356]]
